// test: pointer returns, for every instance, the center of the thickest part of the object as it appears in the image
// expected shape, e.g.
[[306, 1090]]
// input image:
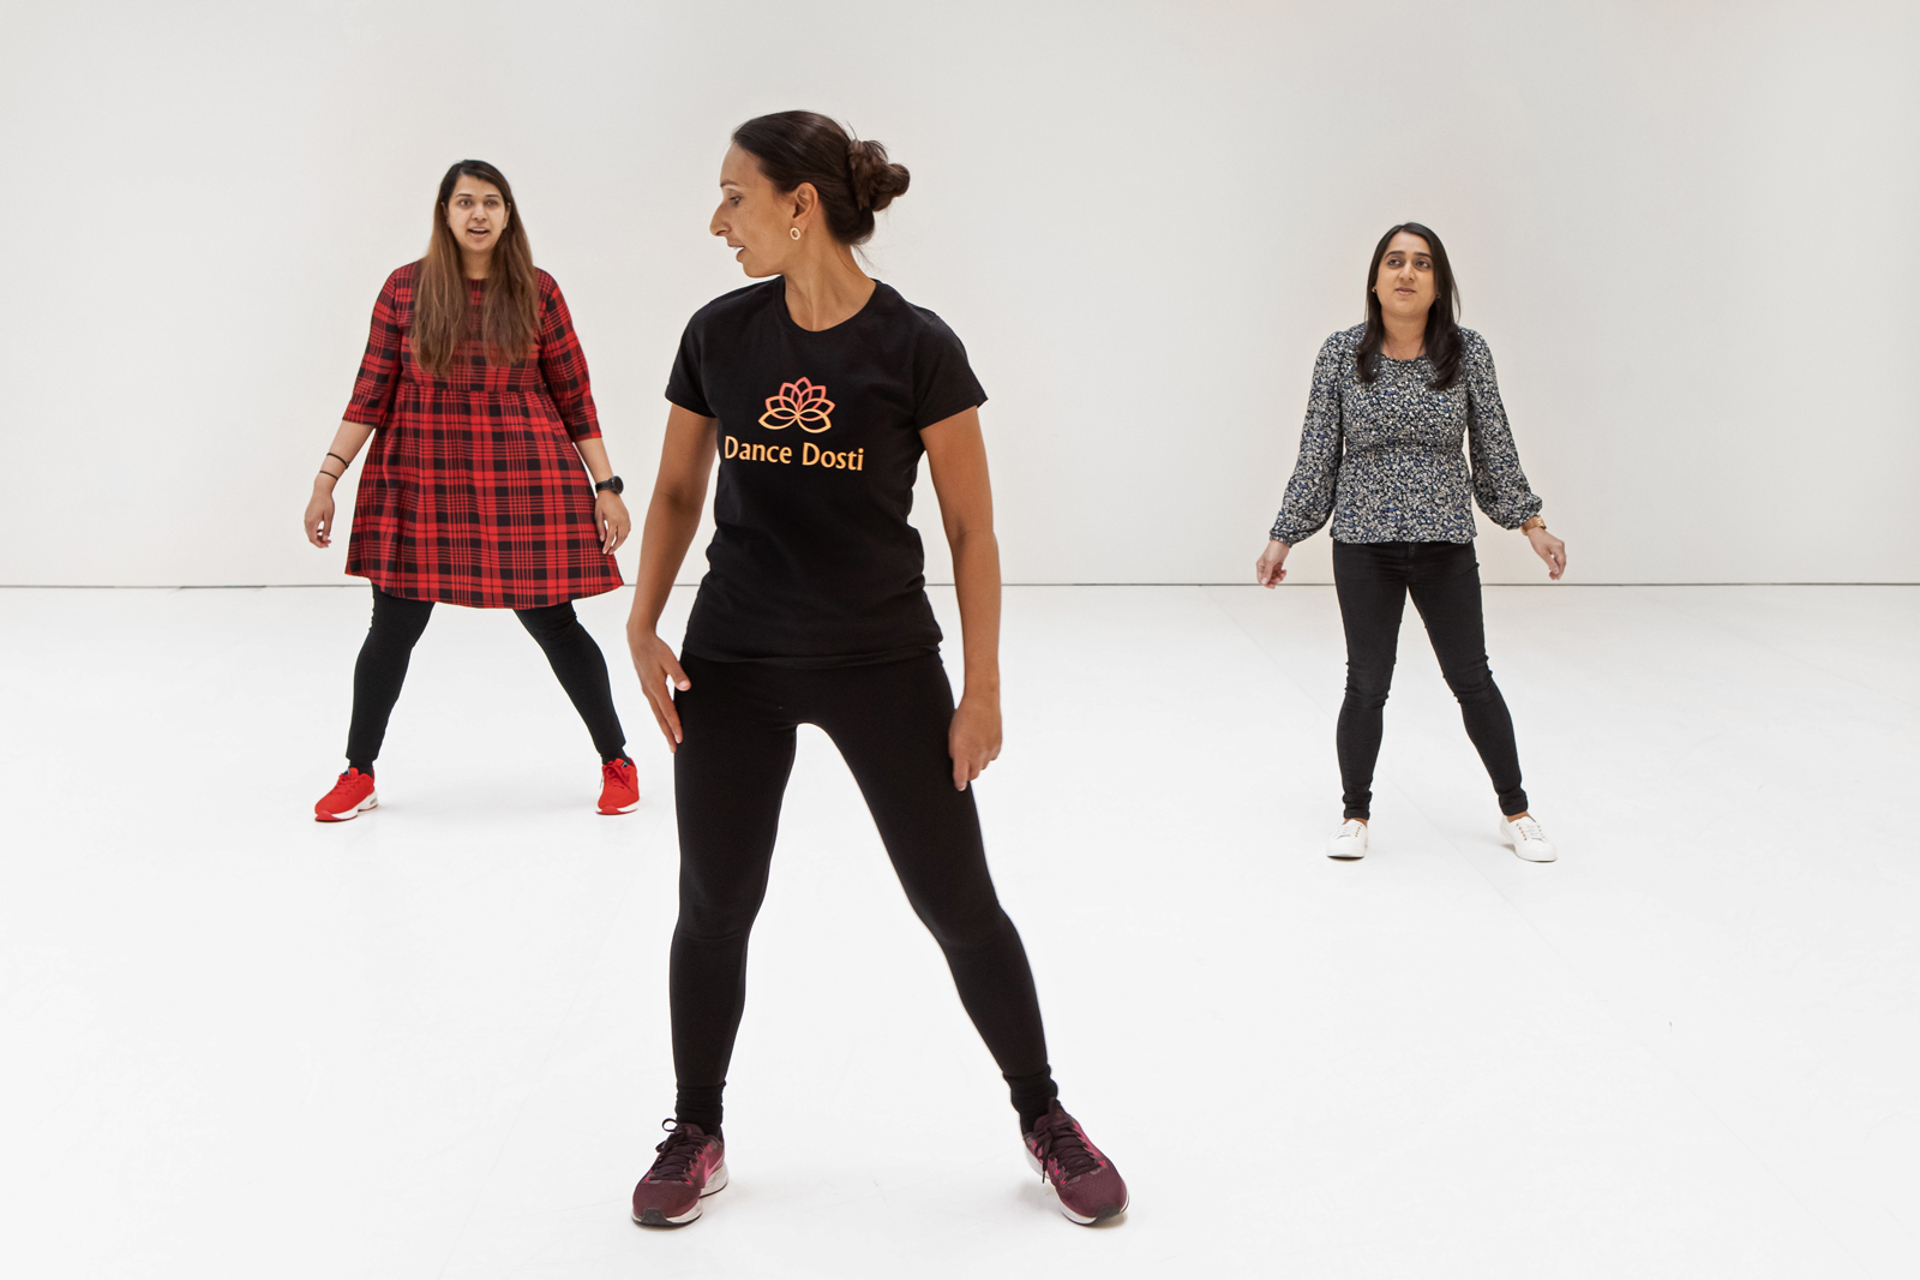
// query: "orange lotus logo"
[[800, 402]]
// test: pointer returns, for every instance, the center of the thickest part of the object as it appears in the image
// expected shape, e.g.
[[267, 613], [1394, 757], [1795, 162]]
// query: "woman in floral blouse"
[[1392, 400]]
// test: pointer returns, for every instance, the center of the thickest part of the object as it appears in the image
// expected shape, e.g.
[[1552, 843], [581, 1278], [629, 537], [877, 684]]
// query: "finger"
[[664, 713], [959, 774], [674, 672], [666, 730], [672, 712]]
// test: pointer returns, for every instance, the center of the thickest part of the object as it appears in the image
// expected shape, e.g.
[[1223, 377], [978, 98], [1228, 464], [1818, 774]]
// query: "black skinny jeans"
[[729, 775], [1373, 580], [398, 624]]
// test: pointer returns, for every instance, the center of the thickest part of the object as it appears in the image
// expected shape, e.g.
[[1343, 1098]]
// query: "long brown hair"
[[1443, 329], [509, 317]]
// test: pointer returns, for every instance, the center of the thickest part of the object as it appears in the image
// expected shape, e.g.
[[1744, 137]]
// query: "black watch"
[[612, 484]]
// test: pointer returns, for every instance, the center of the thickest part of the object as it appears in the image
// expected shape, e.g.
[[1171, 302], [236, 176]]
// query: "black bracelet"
[[328, 474], [343, 461]]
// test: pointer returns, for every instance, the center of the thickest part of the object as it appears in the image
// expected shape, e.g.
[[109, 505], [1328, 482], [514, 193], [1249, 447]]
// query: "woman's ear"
[[805, 200]]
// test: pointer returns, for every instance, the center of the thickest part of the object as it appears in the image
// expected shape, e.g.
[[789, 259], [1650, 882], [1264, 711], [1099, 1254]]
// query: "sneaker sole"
[[1345, 857], [655, 1218], [1104, 1215], [1528, 857], [371, 802], [613, 813]]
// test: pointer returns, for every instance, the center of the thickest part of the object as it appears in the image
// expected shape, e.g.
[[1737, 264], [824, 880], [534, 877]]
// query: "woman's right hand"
[[1270, 568], [657, 667], [319, 517]]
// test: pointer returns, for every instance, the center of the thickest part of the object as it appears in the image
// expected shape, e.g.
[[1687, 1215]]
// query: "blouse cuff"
[[1291, 536], [1527, 511]]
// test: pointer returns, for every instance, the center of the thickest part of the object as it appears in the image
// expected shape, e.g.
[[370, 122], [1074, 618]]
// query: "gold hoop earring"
[[794, 232]]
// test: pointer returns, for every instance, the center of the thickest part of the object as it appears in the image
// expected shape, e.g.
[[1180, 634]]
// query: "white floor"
[[433, 1042]]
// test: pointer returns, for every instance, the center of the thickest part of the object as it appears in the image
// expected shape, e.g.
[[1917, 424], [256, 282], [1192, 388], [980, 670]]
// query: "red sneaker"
[[692, 1164], [351, 796], [619, 788], [1087, 1186]]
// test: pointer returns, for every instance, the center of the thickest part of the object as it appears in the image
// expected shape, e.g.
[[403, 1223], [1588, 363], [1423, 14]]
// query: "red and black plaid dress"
[[472, 492]]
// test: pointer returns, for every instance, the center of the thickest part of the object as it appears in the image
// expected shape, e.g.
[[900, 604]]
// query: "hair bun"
[[875, 181]]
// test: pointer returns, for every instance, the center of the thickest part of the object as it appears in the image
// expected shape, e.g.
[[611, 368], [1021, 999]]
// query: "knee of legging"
[[1366, 694], [1474, 684], [707, 926], [963, 926], [711, 914]]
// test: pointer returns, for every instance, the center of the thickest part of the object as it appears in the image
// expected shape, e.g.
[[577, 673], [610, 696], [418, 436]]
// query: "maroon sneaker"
[[692, 1163], [1085, 1183]]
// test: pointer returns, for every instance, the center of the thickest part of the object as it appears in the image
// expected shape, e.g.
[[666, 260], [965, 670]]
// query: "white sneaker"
[[1349, 842], [1528, 840]]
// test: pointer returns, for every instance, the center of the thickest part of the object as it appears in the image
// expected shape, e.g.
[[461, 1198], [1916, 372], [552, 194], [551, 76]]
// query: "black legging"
[[1373, 580], [397, 626], [729, 774]]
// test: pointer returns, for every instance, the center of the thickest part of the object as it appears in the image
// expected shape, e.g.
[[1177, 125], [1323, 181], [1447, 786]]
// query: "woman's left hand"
[[1550, 549], [973, 738], [610, 516]]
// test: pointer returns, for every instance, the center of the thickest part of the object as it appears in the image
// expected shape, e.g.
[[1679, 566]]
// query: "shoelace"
[[1529, 829], [611, 770], [1352, 827], [1059, 1139], [677, 1154]]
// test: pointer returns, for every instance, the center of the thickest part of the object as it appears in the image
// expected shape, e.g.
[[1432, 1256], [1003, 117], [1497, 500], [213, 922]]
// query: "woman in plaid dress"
[[475, 392]]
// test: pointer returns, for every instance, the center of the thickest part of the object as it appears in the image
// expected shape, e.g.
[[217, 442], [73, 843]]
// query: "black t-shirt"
[[813, 563]]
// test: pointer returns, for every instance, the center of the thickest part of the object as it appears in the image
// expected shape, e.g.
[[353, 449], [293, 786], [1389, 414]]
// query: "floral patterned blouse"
[[1384, 459]]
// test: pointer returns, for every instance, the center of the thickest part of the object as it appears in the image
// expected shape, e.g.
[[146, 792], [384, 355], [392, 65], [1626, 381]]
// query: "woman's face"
[[476, 214], [1405, 284], [756, 219]]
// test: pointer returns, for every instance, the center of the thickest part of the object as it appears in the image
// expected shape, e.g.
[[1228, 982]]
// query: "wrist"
[[324, 481]]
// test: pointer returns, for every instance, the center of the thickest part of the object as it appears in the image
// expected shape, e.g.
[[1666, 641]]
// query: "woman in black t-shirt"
[[819, 390]]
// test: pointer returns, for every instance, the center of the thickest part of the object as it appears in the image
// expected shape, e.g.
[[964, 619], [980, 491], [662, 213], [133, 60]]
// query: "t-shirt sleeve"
[[943, 381], [683, 384]]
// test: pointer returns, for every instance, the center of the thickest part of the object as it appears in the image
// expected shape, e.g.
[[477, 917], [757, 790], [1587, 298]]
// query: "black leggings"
[[729, 774], [397, 626], [1373, 580]]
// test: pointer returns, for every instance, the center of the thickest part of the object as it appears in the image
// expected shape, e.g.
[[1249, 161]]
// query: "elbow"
[[681, 501], [965, 541]]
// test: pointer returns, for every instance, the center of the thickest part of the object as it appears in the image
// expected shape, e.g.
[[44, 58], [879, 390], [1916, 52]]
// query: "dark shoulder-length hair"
[[510, 316], [1443, 324]]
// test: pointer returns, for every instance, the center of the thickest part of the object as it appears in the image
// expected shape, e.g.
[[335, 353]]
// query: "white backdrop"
[[1685, 228]]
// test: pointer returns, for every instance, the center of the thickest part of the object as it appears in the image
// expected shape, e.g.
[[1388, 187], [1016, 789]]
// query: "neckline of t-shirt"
[[786, 313]]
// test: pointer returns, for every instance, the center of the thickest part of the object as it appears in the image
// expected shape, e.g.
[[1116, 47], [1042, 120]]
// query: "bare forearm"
[[346, 446], [672, 520], [976, 579], [593, 452]]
